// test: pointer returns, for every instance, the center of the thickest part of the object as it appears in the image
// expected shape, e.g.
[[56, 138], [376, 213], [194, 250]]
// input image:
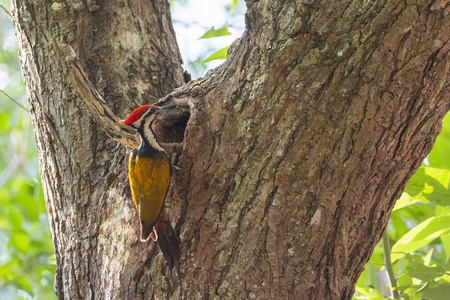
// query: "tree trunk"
[[294, 154]]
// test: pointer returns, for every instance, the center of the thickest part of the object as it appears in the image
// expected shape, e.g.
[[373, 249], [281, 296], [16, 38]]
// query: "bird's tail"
[[169, 244]]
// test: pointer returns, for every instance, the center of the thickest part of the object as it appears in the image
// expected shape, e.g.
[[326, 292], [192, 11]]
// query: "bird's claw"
[[173, 161], [154, 234]]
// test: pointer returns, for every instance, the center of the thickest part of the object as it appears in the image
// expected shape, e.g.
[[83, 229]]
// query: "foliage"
[[235, 2], [204, 47], [219, 54], [26, 252], [419, 229], [215, 33]]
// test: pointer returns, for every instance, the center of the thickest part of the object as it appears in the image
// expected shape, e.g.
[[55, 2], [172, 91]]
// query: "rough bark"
[[294, 154], [131, 56]]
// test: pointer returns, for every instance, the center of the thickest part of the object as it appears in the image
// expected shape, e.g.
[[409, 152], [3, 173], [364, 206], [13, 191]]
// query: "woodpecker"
[[150, 171]]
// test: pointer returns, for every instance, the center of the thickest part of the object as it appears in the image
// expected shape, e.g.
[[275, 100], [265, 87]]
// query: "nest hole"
[[171, 124]]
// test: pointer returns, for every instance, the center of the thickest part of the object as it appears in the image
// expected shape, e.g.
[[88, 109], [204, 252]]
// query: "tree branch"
[[94, 102], [103, 116], [12, 99], [6, 11], [388, 264]]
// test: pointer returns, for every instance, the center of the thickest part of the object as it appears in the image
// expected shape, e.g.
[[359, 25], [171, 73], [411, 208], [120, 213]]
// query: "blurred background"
[[419, 229], [26, 252]]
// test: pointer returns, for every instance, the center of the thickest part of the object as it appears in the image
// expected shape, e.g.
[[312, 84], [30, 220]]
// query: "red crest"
[[136, 114]]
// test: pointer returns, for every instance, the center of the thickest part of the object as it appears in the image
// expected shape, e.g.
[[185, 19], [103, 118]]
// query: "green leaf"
[[411, 291], [430, 184], [375, 295], [219, 54], [397, 225], [439, 155], [215, 33], [369, 293], [235, 2], [440, 292], [364, 291], [414, 259], [425, 273], [442, 211], [5, 270], [21, 242], [420, 235], [368, 279], [427, 258], [445, 238], [404, 201], [15, 217]]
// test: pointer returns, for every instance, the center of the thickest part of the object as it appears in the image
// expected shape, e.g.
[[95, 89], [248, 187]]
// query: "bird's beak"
[[165, 107]]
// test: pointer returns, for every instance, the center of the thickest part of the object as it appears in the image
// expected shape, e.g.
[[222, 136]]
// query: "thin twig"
[[388, 264], [11, 98], [6, 11]]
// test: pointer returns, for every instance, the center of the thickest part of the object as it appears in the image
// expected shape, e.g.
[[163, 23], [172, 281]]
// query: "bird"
[[150, 171]]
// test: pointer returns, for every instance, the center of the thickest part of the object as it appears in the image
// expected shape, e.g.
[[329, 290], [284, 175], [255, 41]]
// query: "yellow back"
[[149, 180]]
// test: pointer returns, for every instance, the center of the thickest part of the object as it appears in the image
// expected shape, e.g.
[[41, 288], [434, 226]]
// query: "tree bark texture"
[[294, 154]]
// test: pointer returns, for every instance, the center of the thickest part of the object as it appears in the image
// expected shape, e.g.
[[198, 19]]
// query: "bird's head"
[[144, 112]]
